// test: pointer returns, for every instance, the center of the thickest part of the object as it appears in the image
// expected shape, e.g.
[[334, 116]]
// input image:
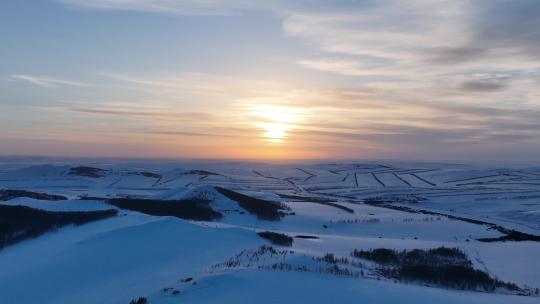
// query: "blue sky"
[[271, 79]]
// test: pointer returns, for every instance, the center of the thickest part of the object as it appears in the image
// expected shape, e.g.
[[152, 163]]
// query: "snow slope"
[[137, 255]]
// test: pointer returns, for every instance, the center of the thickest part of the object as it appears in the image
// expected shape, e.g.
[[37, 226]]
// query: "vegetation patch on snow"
[[141, 300], [202, 172], [512, 235], [8, 194], [87, 171], [197, 210], [307, 237], [147, 174], [263, 209], [445, 267], [18, 223], [277, 238]]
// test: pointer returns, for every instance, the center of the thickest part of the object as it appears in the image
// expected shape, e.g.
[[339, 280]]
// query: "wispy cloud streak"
[[48, 82], [178, 7]]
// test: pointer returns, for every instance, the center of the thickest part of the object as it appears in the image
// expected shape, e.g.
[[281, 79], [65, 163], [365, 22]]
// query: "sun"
[[275, 121], [274, 131]]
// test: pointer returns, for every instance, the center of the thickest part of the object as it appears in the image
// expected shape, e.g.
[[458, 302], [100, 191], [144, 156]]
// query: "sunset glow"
[[271, 151], [360, 79], [275, 121]]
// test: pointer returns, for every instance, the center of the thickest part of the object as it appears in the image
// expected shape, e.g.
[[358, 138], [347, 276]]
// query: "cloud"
[[158, 115], [511, 26], [48, 82], [221, 133], [393, 30], [483, 86], [178, 7], [424, 38], [218, 110], [454, 55], [343, 66], [369, 108]]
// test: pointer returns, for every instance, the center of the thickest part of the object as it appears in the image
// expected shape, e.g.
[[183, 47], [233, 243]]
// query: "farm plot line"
[[320, 201], [335, 205], [354, 167], [531, 173], [293, 184], [157, 181], [245, 181], [356, 180], [471, 178], [144, 189], [346, 176], [428, 191], [401, 179], [439, 192], [310, 175], [284, 188], [509, 234], [319, 188], [350, 198], [77, 187], [494, 181], [422, 179], [170, 180], [406, 171], [114, 183], [383, 193], [391, 170], [262, 175], [378, 180], [300, 198], [514, 183], [479, 193], [426, 170], [409, 171], [510, 174]]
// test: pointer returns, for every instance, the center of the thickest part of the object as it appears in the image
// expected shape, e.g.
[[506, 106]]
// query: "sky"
[[275, 79]]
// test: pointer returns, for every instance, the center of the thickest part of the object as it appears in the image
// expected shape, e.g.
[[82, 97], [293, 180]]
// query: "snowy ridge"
[[170, 260]]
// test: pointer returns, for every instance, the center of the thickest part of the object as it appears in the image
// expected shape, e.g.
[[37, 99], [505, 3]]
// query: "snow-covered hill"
[[329, 210]]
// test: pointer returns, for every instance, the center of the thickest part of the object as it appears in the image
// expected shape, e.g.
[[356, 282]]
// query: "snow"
[[65, 205], [133, 254], [294, 287], [115, 265]]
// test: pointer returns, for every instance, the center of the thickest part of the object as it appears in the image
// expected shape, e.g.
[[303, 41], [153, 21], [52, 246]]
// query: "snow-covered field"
[[333, 209]]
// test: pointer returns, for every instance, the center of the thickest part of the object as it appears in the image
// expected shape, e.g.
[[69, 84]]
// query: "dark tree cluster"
[[277, 238], [197, 210], [202, 172], [87, 171], [441, 255], [141, 300], [263, 209], [330, 258], [148, 174], [447, 267], [512, 235], [7, 194], [251, 257], [307, 237], [18, 223]]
